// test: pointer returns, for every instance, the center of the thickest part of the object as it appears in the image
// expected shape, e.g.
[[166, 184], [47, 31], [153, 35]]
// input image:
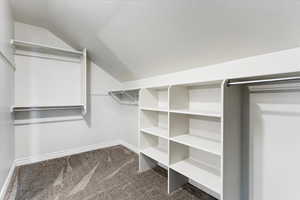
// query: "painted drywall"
[[287, 61], [6, 92], [130, 123], [67, 130], [135, 39]]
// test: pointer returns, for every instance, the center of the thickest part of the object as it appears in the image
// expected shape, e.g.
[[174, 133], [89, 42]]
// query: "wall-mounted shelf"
[[154, 109], [47, 108], [155, 99], [156, 131], [193, 112], [35, 47], [125, 97], [44, 63]]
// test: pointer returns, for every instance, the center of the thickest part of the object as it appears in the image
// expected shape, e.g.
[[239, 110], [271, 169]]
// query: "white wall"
[[109, 120], [102, 125], [6, 92], [279, 62]]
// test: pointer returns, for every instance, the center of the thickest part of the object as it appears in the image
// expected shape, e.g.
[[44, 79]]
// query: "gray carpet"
[[105, 174]]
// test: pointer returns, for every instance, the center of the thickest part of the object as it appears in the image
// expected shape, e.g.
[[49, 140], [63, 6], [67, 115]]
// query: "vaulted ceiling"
[[133, 39]]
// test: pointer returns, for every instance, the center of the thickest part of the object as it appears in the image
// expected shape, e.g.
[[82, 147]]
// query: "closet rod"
[[295, 78]]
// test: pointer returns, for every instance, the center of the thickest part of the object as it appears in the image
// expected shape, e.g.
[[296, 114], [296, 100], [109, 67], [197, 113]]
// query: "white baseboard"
[[7, 181], [59, 154], [130, 146]]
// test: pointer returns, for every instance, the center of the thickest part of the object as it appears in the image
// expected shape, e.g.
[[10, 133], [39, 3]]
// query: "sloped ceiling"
[[133, 39]]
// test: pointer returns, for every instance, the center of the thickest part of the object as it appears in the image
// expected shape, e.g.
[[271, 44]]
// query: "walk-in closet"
[[149, 100]]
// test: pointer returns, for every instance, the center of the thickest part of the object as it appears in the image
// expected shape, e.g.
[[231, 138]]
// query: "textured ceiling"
[[133, 39]]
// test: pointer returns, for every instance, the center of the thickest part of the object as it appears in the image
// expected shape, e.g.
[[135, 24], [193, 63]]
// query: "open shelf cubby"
[[199, 166], [198, 99], [199, 132], [154, 147], [154, 123], [154, 99]]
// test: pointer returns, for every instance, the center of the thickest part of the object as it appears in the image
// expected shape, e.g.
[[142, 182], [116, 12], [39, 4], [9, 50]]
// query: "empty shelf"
[[156, 154], [154, 109], [44, 48], [45, 108], [196, 112], [202, 174], [156, 131], [201, 143]]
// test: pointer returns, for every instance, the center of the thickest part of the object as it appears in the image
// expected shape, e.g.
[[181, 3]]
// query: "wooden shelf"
[[206, 176], [55, 59], [22, 45], [156, 154], [194, 112], [156, 131], [157, 109], [198, 137], [45, 108], [154, 99], [201, 143]]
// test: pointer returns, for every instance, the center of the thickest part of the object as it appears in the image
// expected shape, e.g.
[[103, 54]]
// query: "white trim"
[[68, 152], [7, 181], [7, 60]]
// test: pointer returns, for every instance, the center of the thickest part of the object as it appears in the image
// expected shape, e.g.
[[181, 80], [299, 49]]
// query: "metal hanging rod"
[[133, 100], [295, 78]]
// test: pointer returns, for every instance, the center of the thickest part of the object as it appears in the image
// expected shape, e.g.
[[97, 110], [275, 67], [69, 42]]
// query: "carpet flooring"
[[105, 174]]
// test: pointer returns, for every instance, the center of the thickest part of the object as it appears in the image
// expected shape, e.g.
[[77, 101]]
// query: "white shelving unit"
[[44, 61], [196, 99], [155, 99], [182, 127]]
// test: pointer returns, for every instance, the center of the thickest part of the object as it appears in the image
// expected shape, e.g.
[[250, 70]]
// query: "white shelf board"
[[200, 173], [156, 154], [156, 131], [41, 47], [201, 143], [154, 109], [45, 108], [196, 112]]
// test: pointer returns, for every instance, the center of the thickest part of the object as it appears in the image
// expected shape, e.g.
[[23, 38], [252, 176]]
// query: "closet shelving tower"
[[41, 49], [182, 127]]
